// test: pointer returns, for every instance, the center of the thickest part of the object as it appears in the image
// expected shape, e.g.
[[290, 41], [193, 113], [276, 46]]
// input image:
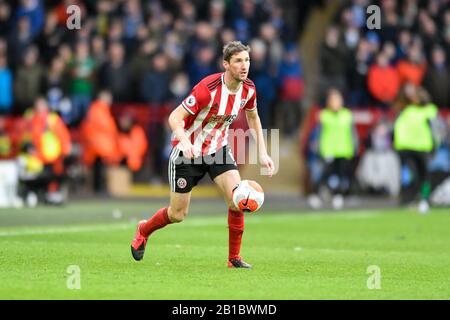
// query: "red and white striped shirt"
[[212, 108]]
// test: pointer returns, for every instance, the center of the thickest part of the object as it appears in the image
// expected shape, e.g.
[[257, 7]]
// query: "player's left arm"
[[254, 123]]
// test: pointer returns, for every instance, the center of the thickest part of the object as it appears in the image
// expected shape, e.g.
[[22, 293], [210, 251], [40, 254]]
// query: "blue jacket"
[[6, 89]]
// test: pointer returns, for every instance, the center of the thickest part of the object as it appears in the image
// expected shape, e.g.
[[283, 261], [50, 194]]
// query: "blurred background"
[[83, 112]]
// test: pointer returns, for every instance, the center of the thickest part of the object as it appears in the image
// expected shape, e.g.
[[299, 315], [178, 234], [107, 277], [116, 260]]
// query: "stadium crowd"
[[142, 51], [146, 52], [399, 74], [371, 66], [149, 53]]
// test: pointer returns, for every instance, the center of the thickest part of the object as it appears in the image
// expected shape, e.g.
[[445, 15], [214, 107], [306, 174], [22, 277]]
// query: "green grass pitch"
[[323, 255]]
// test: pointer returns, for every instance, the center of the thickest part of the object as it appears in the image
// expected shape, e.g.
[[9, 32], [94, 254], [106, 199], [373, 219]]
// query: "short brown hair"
[[232, 48]]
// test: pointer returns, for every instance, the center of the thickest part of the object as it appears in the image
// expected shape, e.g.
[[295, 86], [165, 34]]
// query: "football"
[[248, 196]]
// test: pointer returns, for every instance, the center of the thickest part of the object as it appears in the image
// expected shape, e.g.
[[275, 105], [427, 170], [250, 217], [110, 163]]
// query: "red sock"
[[159, 220], [236, 229]]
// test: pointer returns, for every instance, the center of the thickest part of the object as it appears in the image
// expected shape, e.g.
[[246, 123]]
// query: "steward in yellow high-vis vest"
[[337, 148], [52, 142], [414, 142], [412, 130], [49, 134], [336, 133]]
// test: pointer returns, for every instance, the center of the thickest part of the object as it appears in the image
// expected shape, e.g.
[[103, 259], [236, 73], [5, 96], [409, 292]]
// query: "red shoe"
[[238, 263], [139, 242]]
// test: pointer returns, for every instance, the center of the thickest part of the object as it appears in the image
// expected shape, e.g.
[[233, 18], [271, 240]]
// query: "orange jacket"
[[133, 146], [411, 72], [50, 136], [99, 135], [383, 83]]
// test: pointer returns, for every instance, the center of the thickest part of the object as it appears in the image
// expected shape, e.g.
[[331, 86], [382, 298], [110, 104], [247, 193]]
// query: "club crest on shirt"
[[243, 102], [190, 101], [181, 183]]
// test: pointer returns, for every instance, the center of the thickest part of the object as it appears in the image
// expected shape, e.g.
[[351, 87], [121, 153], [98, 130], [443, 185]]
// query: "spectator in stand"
[[66, 54], [446, 33], [155, 90], [390, 21], [115, 75], [291, 87], [6, 86], [413, 68], [263, 81], [174, 49], [139, 65], [186, 24], [391, 53], [115, 31], [437, 78], [404, 42], [5, 19], [54, 88], [28, 80], [98, 49], [383, 81], [358, 9], [247, 16], [33, 10], [217, 14], [50, 38], [333, 57], [269, 35], [359, 95], [427, 30], [81, 72], [350, 32], [19, 40], [155, 83], [132, 19], [204, 38], [202, 65], [179, 87]]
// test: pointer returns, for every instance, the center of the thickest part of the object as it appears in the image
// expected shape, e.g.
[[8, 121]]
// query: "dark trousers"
[[40, 184], [99, 176], [417, 164], [336, 176]]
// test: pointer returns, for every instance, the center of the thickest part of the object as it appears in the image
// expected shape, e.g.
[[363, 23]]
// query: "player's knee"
[[178, 214]]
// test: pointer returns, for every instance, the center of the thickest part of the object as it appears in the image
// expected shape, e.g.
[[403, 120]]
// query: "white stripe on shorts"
[[171, 167]]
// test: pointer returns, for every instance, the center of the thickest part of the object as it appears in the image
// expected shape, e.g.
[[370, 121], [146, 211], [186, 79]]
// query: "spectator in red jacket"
[[413, 68], [383, 80], [132, 142]]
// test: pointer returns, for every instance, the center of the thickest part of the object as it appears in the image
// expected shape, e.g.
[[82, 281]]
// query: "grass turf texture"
[[295, 256]]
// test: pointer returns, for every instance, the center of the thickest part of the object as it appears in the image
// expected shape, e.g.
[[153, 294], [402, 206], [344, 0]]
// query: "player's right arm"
[[191, 106], [176, 119]]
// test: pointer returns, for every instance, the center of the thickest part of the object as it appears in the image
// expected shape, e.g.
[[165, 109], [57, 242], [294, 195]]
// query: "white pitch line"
[[191, 223], [66, 229], [78, 229]]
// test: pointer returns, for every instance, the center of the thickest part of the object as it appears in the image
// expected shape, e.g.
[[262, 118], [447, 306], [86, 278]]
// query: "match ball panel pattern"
[[248, 196]]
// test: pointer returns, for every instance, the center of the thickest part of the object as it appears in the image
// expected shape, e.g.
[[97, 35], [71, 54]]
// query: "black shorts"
[[184, 173]]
